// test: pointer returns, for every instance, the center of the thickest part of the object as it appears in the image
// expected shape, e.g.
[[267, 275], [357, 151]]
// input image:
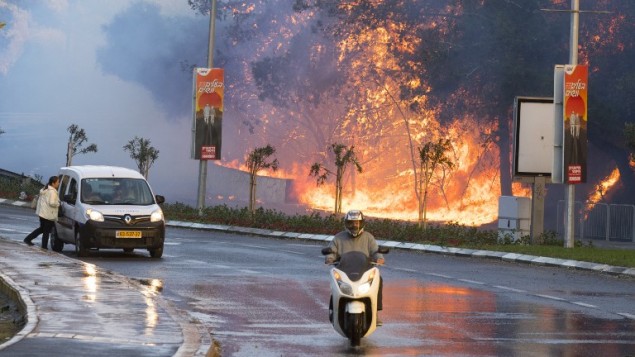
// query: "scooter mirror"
[[326, 251]]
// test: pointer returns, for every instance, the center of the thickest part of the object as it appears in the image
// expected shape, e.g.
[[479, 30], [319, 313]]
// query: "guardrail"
[[611, 222]]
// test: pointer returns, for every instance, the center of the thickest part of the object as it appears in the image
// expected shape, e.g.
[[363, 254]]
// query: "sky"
[[101, 65]]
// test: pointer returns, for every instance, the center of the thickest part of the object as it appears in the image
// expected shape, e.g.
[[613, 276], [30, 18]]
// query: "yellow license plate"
[[128, 234]]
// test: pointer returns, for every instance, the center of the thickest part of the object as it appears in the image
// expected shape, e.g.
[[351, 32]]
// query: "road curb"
[[26, 306]]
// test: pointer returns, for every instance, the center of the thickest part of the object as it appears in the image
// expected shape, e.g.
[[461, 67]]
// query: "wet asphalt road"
[[269, 297]]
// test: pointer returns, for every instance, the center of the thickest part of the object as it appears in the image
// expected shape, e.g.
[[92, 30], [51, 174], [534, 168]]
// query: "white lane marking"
[[263, 247], [556, 341], [471, 281], [247, 271], [406, 270], [627, 315], [440, 275], [254, 246], [510, 289], [579, 303], [292, 252], [550, 297]]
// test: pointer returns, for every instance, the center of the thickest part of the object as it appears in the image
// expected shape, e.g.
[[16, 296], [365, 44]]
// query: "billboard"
[[208, 113], [533, 137], [575, 118]]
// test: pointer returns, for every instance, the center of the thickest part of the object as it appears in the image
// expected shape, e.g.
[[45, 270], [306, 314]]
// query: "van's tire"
[[56, 243], [80, 249], [156, 253]]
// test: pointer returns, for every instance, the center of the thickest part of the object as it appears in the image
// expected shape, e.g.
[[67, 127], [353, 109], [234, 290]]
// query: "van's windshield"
[[116, 191]]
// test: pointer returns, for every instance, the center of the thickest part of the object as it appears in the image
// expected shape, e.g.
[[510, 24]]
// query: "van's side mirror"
[[160, 199]]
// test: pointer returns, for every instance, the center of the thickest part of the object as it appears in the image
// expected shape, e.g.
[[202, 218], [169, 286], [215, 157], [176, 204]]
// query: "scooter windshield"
[[354, 264]]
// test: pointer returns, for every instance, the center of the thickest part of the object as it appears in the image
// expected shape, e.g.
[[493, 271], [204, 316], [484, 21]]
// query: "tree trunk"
[[252, 193], [419, 191], [69, 153], [504, 158]]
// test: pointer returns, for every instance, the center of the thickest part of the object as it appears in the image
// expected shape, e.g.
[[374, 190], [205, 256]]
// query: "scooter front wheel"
[[355, 328]]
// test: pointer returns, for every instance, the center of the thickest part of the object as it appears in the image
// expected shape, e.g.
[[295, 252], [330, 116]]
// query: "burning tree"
[[256, 161], [432, 156], [343, 157], [629, 133], [76, 139], [143, 153], [380, 75]]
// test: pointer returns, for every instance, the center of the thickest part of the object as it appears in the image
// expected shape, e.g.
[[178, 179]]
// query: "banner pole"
[[202, 167], [573, 59]]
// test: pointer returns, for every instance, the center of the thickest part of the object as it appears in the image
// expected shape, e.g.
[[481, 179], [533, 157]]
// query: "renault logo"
[[127, 218]]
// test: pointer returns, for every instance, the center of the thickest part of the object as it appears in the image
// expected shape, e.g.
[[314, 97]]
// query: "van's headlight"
[[94, 215], [156, 216]]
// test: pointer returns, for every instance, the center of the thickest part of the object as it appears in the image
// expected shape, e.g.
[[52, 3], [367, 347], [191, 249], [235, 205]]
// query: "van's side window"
[[63, 185], [72, 190]]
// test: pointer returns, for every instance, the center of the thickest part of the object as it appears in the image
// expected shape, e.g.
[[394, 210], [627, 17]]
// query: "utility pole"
[[202, 168], [573, 60], [569, 228]]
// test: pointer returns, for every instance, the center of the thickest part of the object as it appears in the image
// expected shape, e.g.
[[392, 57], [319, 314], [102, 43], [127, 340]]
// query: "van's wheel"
[[56, 243], [156, 253], [80, 249]]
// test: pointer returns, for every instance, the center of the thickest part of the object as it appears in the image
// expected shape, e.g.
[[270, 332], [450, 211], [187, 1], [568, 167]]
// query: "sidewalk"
[[74, 308]]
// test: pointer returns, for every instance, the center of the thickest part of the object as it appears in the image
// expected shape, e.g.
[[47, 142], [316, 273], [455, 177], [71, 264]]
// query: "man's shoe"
[[379, 323], [27, 241]]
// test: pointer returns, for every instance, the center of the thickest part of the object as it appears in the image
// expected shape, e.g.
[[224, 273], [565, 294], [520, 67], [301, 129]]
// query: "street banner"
[[575, 123], [208, 113]]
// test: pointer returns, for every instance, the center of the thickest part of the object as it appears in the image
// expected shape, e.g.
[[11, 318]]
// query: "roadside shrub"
[[449, 234]]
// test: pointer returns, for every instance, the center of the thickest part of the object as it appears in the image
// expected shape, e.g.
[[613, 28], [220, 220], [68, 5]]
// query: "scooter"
[[354, 288]]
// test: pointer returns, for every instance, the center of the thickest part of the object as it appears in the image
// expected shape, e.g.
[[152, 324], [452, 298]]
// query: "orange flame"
[[603, 187]]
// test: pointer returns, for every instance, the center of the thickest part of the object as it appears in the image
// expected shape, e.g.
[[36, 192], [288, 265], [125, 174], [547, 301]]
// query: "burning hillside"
[[388, 76]]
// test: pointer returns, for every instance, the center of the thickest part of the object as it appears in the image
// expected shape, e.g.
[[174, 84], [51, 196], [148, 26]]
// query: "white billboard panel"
[[533, 137]]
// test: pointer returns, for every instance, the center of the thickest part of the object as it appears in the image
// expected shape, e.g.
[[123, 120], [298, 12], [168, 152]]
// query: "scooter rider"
[[354, 238]]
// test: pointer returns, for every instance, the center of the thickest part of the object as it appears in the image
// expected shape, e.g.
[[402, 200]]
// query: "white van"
[[108, 207]]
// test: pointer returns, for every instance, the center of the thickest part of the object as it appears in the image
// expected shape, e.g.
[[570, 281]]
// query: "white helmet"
[[354, 222]]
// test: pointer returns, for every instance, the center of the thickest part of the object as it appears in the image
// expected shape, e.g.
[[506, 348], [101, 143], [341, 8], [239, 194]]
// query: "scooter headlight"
[[345, 288], [364, 288]]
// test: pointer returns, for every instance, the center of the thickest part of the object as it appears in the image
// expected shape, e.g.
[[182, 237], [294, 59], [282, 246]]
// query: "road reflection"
[[450, 320], [90, 282], [256, 315], [153, 286]]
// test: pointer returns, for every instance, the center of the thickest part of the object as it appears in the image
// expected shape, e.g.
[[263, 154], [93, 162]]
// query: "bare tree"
[[256, 161], [76, 139], [142, 153], [432, 156], [343, 157]]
